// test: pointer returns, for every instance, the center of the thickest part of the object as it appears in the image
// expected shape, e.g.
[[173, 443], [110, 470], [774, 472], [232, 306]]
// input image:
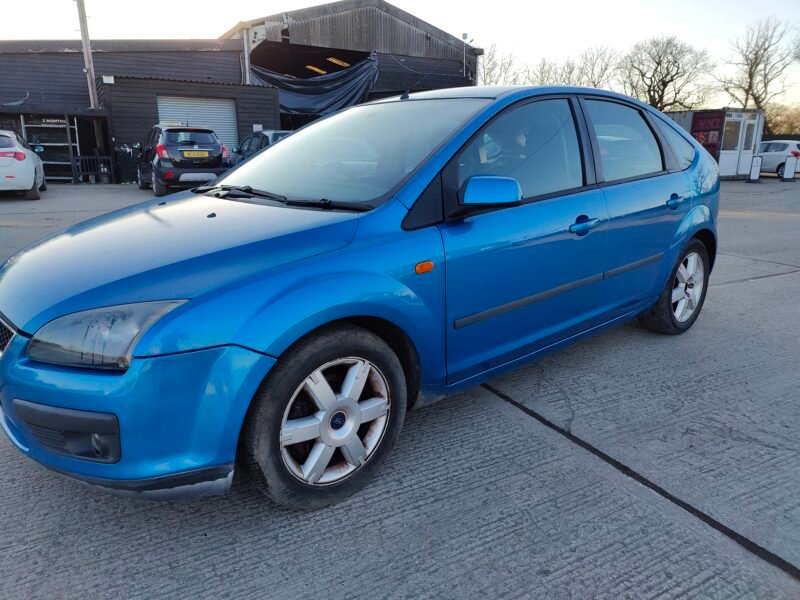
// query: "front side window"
[[628, 147], [358, 155], [536, 144], [764, 147], [684, 151]]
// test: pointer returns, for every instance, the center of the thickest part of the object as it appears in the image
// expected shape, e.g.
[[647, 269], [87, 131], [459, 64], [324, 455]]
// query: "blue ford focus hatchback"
[[285, 317]]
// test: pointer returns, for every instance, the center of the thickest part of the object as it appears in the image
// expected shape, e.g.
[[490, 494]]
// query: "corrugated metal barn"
[[410, 54], [278, 72], [44, 95]]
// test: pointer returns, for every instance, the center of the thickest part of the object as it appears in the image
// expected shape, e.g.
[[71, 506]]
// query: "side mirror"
[[489, 191], [38, 149], [137, 146], [236, 150]]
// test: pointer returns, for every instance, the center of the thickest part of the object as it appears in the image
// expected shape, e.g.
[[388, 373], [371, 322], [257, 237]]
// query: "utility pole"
[[90, 81], [87, 55]]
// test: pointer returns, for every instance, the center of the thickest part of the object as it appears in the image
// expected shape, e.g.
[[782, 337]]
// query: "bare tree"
[[498, 68], [666, 73], [544, 72], [783, 120], [598, 66], [761, 59]]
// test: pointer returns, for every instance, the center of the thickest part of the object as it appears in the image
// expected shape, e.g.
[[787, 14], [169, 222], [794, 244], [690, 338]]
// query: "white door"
[[748, 144], [218, 114]]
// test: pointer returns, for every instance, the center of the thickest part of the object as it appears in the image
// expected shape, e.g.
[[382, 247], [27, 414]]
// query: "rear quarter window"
[[683, 150], [6, 142]]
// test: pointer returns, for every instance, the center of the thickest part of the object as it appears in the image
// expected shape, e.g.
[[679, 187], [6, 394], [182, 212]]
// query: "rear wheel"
[[159, 189], [682, 298], [325, 418], [33, 193]]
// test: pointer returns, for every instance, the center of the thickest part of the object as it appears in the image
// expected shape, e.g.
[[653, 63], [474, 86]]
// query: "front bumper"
[[178, 417]]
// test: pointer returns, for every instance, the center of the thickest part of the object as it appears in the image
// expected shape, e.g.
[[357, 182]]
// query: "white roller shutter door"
[[215, 113]]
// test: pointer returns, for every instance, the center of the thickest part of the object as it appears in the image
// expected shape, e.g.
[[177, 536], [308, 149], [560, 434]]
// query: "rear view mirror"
[[489, 191], [38, 149]]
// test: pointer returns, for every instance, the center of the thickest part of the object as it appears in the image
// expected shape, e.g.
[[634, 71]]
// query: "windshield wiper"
[[327, 204], [243, 189]]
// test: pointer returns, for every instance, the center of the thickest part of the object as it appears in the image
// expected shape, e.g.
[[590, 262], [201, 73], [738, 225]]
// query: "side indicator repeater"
[[426, 266]]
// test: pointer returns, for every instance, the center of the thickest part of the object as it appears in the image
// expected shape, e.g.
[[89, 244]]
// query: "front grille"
[[6, 333]]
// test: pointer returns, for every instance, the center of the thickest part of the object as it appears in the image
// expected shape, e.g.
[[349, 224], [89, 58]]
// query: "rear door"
[[646, 199], [518, 279]]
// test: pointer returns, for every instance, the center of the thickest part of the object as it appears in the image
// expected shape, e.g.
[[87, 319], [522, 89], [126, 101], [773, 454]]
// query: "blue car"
[[285, 317]]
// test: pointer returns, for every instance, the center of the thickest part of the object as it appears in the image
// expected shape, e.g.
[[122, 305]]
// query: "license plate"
[[195, 153]]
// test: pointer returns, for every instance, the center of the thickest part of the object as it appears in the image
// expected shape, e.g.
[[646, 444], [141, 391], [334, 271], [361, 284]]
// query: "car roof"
[[780, 141], [496, 92], [8, 133]]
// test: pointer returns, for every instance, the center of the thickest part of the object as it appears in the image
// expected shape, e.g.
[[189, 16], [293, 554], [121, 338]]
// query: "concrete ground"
[[629, 466]]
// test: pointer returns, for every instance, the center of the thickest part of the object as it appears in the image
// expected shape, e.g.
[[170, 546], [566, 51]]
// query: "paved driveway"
[[631, 465]]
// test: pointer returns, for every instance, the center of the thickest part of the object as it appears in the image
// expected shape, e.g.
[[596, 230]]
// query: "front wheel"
[[141, 180], [780, 171], [325, 418], [680, 302]]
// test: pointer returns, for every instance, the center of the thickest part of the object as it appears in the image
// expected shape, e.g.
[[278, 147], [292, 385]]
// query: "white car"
[[773, 155], [21, 169]]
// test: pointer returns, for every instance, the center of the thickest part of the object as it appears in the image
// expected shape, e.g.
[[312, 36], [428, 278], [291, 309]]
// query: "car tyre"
[[317, 467], [33, 193], [159, 189], [780, 170], [682, 298], [141, 182]]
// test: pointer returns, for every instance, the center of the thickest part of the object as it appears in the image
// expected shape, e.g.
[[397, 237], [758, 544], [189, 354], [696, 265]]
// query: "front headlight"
[[101, 338]]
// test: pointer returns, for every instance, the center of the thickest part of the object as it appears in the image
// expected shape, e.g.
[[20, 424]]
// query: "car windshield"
[[190, 136], [358, 155]]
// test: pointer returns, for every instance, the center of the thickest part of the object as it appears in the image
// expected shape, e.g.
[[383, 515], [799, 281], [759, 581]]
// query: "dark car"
[[176, 156], [255, 143]]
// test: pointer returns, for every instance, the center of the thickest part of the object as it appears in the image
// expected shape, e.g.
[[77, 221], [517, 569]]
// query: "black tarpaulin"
[[324, 94]]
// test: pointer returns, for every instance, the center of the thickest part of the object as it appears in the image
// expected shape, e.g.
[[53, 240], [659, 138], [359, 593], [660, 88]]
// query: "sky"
[[531, 29]]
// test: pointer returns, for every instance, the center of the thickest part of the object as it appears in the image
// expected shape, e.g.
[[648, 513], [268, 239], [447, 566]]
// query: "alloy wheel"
[[687, 289], [335, 421]]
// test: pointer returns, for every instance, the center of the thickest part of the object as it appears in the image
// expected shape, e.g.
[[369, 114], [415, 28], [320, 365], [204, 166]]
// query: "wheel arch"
[[710, 242]]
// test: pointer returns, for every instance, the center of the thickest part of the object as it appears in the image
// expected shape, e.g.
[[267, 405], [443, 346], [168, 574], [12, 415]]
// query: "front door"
[[522, 278]]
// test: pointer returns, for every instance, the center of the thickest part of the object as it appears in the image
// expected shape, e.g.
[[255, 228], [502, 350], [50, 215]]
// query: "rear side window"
[[190, 136], [536, 144], [628, 147], [684, 151], [6, 142], [778, 147]]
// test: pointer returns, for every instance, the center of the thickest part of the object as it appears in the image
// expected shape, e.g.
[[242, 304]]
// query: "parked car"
[[774, 153], [253, 144], [289, 314], [21, 169], [176, 156]]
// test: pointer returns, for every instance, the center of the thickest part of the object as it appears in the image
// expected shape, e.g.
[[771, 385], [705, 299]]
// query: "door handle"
[[674, 201], [582, 226]]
